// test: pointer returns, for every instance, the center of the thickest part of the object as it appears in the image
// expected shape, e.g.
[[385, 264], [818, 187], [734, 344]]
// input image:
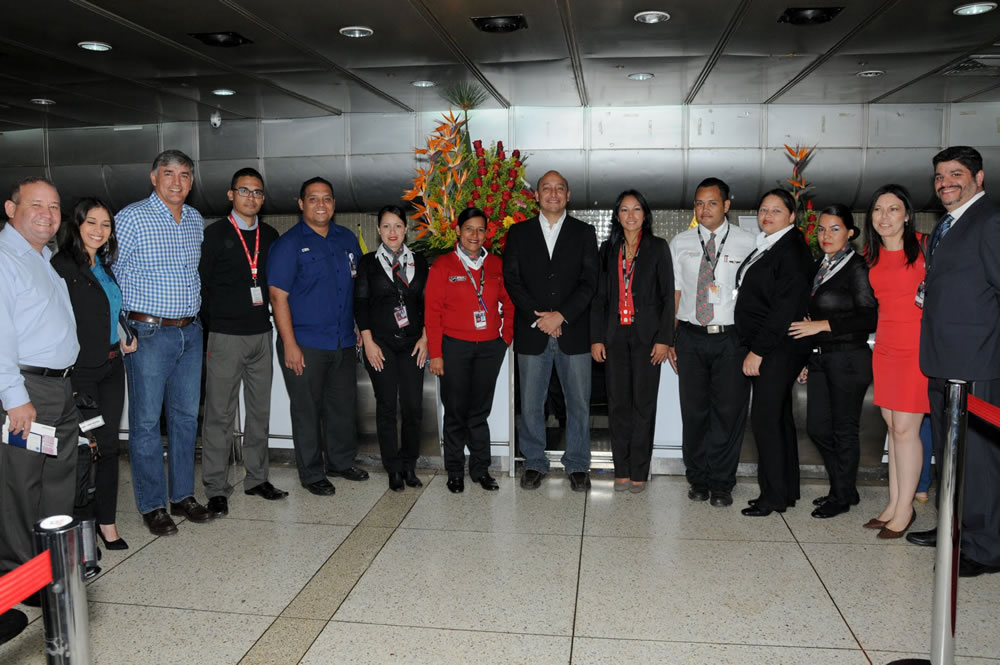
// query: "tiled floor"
[[551, 576]]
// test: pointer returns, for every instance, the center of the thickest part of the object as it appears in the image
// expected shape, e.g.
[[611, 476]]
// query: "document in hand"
[[41, 438]]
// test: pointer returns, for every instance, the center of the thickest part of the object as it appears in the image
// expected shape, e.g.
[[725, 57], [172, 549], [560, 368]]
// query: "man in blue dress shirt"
[[37, 352], [311, 273], [159, 246]]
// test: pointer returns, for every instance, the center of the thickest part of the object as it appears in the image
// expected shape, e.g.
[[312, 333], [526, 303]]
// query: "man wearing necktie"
[[960, 339]]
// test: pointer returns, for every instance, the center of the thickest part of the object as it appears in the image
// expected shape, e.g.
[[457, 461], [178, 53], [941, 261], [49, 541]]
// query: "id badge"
[[354, 265], [400, 313], [625, 316], [479, 318], [919, 300], [256, 295], [714, 294]]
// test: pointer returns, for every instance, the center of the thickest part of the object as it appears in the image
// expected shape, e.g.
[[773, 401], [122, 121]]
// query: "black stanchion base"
[[910, 661]]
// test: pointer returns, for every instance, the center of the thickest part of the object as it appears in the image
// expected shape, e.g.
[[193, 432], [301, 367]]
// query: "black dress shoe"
[[721, 499], [698, 493], [321, 487], [396, 481], [191, 509], [350, 473], [119, 544], [267, 491], [410, 478], [456, 484], [159, 523], [830, 509], [531, 480], [579, 481], [969, 568], [759, 511], [12, 623], [488, 482], [218, 506], [820, 500], [925, 538]]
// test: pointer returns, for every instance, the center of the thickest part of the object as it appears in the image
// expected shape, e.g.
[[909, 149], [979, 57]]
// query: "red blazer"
[[450, 300]]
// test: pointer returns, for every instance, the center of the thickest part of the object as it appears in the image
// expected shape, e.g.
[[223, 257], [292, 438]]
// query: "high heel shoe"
[[886, 533], [119, 544], [874, 523]]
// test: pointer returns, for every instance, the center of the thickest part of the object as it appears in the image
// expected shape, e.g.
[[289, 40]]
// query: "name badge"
[[456, 278], [93, 423], [256, 295], [353, 263], [625, 316], [402, 320], [714, 294], [479, 319], [919, 300]]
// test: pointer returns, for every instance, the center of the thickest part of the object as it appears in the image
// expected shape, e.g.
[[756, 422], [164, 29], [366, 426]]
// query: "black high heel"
[[119, 544]]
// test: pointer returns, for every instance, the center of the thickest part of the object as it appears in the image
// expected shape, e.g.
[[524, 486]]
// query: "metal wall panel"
[[379, 180], [380, 133], [834, 172], [22, 147], [572, 164], [538, 128], [77, 181], [487, 125], [285, 176], [103, 145], [235, 139], [303, 137], [905, 126], [838, 126], [637, 128], [127, 183], [735, 126], [658, 174], [974, 124], [181, 136], [740, 169], [910, 167]]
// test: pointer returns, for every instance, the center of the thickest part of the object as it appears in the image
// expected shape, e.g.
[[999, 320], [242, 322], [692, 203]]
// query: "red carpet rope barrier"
[[988, 412], [25, 580]]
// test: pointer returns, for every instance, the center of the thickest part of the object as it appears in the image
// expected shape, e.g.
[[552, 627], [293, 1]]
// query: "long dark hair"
[[786, 199], [617, 230], [873, 241], [72, 242], [843, 213]]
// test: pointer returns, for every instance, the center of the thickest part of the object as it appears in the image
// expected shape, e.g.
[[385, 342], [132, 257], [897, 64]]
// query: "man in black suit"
[[960, 339], [550, 271]]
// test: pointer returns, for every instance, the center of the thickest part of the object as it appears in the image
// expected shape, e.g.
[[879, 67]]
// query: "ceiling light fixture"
[[423, 84], [640, 76], [974, 8], [870, 73], [228, 39], [357, 31], [223, 92], [500, 24], [651, 16], [809, 15], [98, 47], [42, 101]]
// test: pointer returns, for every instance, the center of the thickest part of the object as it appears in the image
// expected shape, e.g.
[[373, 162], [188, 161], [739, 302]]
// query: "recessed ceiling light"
[[809, 15], [973, 8], [651, 16], [42, 101], [423, 84], [640, 76], [221, 39], [224, 92], [357, 31], [870, 73], [500, 23], [99, 47]]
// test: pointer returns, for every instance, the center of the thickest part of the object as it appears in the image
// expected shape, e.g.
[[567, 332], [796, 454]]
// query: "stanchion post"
[[64, 601]]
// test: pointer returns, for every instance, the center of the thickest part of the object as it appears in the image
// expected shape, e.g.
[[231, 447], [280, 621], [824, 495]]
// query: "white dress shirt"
[[686, 253], [385, 258], [957, 213], [551, 231]]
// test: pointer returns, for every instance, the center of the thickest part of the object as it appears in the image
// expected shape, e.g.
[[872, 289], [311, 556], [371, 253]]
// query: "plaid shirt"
[[157, 264]]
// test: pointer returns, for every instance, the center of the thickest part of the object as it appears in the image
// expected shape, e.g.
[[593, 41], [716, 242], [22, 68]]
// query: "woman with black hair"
[[389, 311], [896, 271], [632, 328], [772, 291], [87, 249], [842, 313]]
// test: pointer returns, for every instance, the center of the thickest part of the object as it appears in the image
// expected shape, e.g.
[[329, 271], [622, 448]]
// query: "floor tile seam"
[[985, 659], [185, 609], [259, 638], [674, 538], [718, 643], [579, 571], [419, 491], [449, 629], [131, 553], [512, 533]]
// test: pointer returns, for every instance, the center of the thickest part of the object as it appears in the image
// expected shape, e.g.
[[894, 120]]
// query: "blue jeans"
[[574, 375], [164, 371]]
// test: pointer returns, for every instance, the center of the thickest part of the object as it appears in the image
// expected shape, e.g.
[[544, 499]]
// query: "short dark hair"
[[964, 155], [842, 212], [786, 198], [15, 191], [313, 181], [468, 214], [714, 182], [246, 172], [873, 241], [71, 241], [391, 210], [168, 157], [617, 230]]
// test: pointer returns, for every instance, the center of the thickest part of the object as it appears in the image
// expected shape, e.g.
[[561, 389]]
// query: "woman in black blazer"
[[772, 291], [87, 249], [842, 313], [389, 311], [632, 326]]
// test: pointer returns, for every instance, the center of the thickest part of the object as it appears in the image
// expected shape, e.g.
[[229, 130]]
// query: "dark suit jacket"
[[566, 283], [774, 292], [847, 301], [652, 295], [376, 298], [960, 327], [91, 308]]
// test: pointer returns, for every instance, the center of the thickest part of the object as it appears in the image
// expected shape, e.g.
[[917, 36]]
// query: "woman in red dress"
[[896, 272]]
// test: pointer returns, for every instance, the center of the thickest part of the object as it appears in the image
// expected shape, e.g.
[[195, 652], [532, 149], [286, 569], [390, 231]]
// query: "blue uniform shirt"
[[318, 275]]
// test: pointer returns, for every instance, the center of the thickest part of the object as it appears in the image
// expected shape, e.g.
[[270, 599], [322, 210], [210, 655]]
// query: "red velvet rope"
[[988, 412], [25, 580]]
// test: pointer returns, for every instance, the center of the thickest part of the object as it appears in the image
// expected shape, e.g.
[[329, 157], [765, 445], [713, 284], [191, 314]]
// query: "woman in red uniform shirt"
[[467, 315]]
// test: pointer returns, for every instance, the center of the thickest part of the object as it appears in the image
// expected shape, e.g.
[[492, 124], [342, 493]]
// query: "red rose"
[[482, 162], [528, 193], [477, 144], [501, 155], [475, 195], [488, 210], [809, 205], [478, 182], [517, 162], [488, 244], [509, 184], [503, 242], [496, 166], [810, 229], [512, 173], [480, 152], [516, 155], [812, 217], [470, 204], [500, 146], [505, 196], [482, 170], [494, 187], [489, 198]]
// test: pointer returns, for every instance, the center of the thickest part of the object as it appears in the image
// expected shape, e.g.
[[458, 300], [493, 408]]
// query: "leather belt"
[[45, 371], [713, 329], [840, 346], [160, 320]]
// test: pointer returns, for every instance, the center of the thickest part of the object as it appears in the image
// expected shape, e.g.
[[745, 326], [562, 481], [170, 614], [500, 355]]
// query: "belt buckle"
[[713, 329]]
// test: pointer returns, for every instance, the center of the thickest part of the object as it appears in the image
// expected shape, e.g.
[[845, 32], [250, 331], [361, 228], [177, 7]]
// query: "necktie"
[[398, 270], [941, 231], [704, 310]]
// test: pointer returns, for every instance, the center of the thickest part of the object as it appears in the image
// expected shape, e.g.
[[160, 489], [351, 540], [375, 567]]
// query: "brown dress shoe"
[[887, 533], [873, 523], [159, 523], [191, 509]]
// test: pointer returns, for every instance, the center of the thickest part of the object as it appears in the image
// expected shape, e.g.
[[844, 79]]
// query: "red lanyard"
[[256, 249], [626, 309]]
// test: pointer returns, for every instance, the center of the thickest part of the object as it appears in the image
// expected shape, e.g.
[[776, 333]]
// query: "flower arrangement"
[[460, 176], [805, 215]]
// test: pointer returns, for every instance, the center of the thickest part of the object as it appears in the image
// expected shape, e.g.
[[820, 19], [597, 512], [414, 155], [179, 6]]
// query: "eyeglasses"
[[244, 192]]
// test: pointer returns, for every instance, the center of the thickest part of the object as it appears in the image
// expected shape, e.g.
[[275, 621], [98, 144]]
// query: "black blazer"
[[847, 301], [375, 298], [565, 283], [652, 295], [960, 327], [90, 307], [774, 292]]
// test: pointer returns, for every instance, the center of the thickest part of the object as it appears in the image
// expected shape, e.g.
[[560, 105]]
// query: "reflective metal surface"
[[64, 600]]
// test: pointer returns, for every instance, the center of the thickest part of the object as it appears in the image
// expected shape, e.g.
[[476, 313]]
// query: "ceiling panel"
[[608, 83]]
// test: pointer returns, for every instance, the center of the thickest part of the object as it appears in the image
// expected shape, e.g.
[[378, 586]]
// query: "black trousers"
[[715, 400], [837, 385], [981, 502], [774, 429], [400, 379], [632, 383], [106, 385], [322, 406], [470, 378]]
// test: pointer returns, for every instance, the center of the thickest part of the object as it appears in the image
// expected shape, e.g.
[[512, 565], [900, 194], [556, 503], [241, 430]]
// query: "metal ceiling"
[[574, 53]]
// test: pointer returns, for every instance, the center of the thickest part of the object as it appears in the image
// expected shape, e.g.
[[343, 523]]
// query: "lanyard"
[[256, 249], [718, 251], [627, 278], [482, 281], [399, 291], [830, 269]]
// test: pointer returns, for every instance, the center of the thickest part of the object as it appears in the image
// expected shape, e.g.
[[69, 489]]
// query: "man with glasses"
[[235, 309]]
